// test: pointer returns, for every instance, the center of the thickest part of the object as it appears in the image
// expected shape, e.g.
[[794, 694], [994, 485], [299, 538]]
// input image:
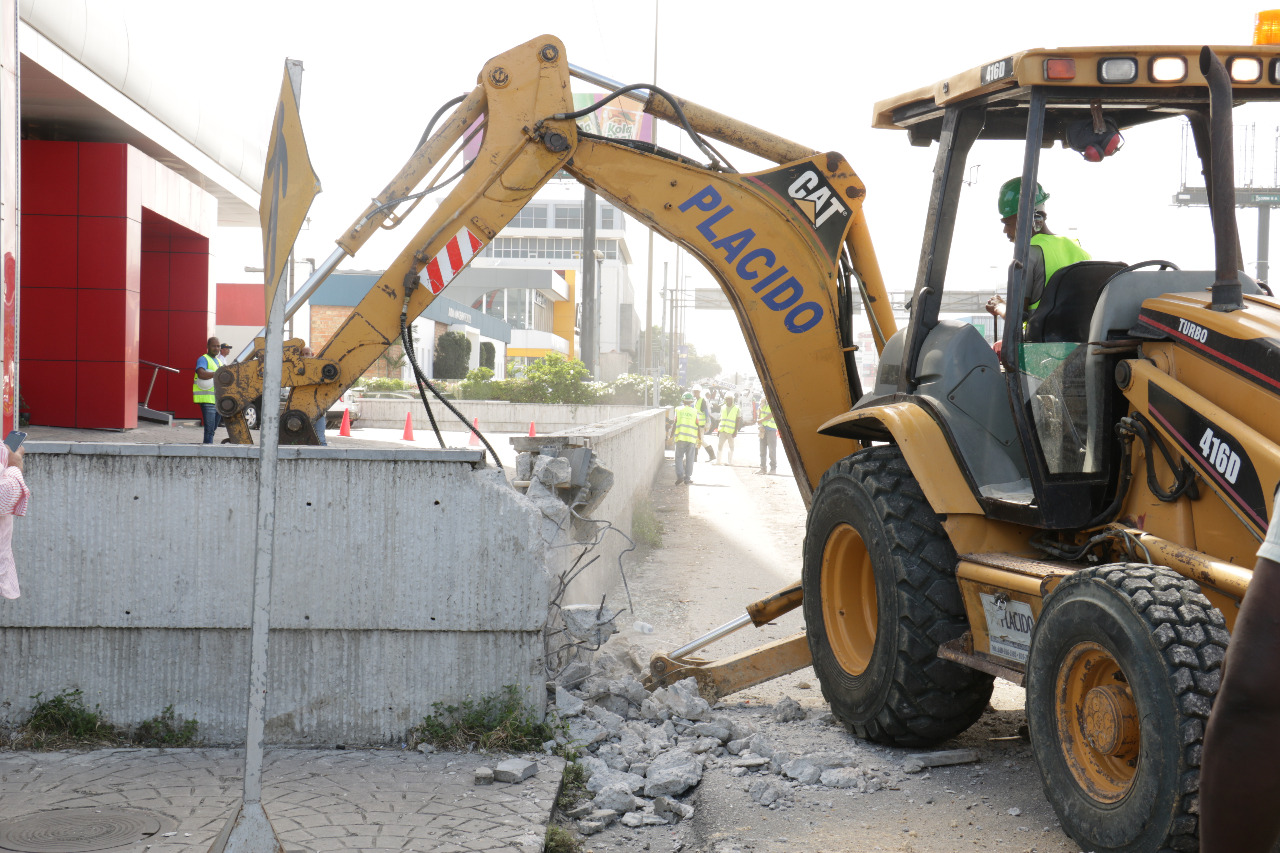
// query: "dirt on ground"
[[734, 536]]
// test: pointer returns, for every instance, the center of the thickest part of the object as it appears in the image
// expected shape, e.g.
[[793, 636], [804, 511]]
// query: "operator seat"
[[1066, 308]]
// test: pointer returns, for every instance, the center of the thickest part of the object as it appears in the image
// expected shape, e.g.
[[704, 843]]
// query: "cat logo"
[[811, 194], [815, 198]]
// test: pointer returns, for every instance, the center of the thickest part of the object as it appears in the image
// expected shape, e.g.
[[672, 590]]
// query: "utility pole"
[[590, 334]]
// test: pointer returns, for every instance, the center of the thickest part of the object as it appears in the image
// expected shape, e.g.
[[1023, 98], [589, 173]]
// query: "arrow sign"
[[289, 184]]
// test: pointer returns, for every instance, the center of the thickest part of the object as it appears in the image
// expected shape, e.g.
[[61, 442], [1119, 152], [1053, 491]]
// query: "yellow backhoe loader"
[[1076, 514]]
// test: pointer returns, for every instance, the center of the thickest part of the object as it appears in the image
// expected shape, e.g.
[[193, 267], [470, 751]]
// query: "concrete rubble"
[[643, 751]]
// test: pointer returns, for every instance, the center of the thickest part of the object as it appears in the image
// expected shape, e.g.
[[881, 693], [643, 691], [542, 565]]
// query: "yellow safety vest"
[[686, 424], [205, 395], [729, 420], [1058, 252], [766, 417]]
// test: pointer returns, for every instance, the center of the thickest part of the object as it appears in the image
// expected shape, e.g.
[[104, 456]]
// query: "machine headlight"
[[1244, 69], [1168, 69]]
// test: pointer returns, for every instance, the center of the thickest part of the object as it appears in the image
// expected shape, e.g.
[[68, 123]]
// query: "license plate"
[[1009, 625]]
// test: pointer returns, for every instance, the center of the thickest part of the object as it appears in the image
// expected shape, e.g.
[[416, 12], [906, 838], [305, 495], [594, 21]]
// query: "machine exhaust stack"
[[1222, 192]]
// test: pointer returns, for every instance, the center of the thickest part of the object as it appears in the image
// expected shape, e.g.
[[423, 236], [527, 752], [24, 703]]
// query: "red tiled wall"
[[106, 283]]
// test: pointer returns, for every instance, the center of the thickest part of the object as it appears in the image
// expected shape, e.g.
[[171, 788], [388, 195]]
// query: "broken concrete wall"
[[401, 578], [494, 415], [631, 447]]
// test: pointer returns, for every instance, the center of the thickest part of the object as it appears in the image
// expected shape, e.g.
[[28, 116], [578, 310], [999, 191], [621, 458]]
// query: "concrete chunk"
[[590, 623], [616, 797], [568, 705], [788, 710], [673, 809], [514, 770], [768, 791], [484, 776], [673, 773], [684, 700], [844, 777], [943, 758]]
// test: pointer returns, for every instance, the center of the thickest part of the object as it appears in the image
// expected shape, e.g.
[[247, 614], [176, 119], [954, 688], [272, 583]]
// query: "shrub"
[[379, 384], [500, 723], [165, 729], [452, 353], [633, 389], [488, 355], [477, 386], [556, 379], [65, 718]]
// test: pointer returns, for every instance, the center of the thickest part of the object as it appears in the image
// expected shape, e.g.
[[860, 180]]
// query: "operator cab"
[[1034, 426]]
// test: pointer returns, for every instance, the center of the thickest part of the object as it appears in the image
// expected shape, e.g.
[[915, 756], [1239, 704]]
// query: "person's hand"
[[15, 457], [995, 306]]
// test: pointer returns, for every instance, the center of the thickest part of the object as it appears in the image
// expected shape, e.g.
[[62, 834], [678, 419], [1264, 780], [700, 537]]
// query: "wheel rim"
[[1098, 722], [849, 599]]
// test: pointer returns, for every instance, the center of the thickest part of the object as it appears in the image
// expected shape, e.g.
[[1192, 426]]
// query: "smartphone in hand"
[[14, 439]]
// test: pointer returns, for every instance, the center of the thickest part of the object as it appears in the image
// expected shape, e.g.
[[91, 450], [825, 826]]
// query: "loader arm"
[[788, 245]]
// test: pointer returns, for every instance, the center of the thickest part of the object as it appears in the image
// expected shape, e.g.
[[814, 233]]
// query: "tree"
[[488, 355], [394, 358], [700, 366], [452, 353]]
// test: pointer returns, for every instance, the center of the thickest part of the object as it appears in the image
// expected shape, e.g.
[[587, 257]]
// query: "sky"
[[376, 71]]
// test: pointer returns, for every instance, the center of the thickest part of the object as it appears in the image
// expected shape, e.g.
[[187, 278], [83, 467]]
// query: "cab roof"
[[1135, 85]]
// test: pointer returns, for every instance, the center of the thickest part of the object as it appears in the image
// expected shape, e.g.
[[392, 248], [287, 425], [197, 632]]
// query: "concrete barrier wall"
[[402, 578], [494, 415]]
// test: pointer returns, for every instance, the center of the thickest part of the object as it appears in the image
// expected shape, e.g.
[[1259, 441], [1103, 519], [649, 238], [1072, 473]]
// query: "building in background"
[[333, 302], [529, 277]]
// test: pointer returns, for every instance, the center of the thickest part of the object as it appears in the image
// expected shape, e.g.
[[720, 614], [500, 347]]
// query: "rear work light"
[[1274, 74], [1168, 69], [1118, 69], [1244, 69], [1059, 69]]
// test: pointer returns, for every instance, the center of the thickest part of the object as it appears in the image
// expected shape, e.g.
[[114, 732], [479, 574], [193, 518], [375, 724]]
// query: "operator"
[[1049, 252], [1240, 770], [768, 438], [202, 393], [704, 417], [687, 431], [727, 430]]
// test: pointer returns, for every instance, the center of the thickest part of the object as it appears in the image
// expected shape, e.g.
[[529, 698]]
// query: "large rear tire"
[[880, 596], [1124, 666]]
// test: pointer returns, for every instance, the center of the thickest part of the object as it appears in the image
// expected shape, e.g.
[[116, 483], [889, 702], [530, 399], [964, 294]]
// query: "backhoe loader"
[[1076, 514]]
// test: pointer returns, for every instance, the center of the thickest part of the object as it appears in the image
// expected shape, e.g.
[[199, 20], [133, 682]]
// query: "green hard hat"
[[1010, 191], [687, 395]]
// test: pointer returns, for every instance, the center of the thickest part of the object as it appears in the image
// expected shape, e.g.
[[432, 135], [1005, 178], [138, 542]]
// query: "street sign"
[[289, 184]]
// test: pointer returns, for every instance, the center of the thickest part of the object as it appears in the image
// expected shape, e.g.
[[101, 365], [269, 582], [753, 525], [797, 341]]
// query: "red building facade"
[[115, 272]]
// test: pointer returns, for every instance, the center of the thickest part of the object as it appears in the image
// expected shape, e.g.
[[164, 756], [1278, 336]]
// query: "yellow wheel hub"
[[849, 599], [1098, 723]]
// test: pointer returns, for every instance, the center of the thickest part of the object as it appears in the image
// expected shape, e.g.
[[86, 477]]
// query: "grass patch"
[[573, 787], [646, 529], [165, 729], [561, 840], [64, 720], [501, 723]]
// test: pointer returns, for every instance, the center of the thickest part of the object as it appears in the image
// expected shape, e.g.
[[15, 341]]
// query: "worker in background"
[[224, 353], [202, 393], [687, 431], [1240, 768], [768, 439], [1049, 252], [704, 417], [727, 430]]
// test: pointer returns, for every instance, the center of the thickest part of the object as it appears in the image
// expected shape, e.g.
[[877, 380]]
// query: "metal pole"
[[648, 300], [1264, 241], [590, 303]]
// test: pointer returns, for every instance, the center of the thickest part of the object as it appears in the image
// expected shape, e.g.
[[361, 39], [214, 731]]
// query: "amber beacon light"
[[1266, 27]]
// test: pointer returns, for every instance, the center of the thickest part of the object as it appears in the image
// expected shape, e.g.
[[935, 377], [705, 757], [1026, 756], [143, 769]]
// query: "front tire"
[[251, 415], [1125, 663], [880, 596]]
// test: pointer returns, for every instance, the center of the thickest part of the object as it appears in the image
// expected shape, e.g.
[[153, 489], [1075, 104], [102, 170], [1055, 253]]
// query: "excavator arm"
[[788, 245]]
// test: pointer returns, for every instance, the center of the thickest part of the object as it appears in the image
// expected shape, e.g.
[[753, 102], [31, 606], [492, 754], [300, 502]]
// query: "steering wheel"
[[1164, 265]]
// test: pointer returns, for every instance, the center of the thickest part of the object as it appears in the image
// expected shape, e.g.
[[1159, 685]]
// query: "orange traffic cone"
[[346, 423], [475, 430], [408, 426], [532, 431]]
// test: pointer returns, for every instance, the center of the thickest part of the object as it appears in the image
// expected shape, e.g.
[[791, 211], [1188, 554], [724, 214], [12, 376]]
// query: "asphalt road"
[[734, 536]]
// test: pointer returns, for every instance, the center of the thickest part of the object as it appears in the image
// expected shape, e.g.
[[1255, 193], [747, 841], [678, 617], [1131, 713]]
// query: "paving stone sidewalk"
[[318, 800]]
